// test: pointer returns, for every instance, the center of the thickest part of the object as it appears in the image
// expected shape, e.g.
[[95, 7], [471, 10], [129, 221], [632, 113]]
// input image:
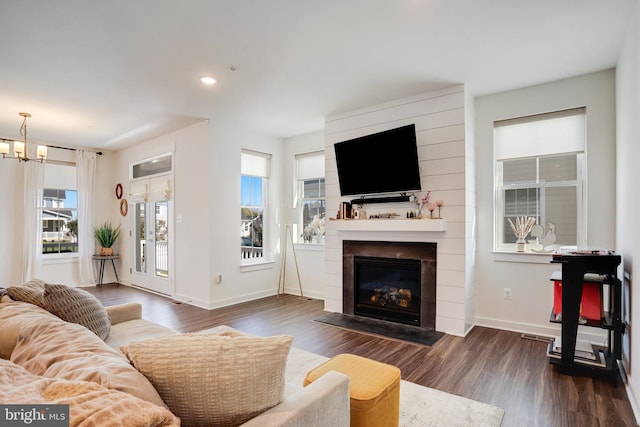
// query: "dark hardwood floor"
[[492, 366]]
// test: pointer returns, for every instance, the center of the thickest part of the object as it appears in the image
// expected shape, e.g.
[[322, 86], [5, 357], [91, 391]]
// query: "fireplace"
[[394, 281]]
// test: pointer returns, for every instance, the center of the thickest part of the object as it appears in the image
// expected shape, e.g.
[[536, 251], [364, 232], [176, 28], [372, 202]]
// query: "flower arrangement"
[[314, 228], [522, 227], [424, 202], [317, 225], [431, 207]]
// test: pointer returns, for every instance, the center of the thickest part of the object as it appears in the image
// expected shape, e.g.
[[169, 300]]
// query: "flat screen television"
[[383, 162]]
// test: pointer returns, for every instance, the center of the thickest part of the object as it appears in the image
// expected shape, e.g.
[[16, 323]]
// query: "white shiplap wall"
[[440, 130]]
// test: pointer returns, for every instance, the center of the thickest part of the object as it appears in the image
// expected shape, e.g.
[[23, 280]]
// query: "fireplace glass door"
[[388, 289]]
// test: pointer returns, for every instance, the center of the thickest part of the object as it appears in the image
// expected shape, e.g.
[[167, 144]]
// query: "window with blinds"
[[311, 196], [59, 209], [539, 170], [254, 183]]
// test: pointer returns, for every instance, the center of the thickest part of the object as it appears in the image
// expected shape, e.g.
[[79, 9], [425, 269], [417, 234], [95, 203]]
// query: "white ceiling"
[[105, 74]]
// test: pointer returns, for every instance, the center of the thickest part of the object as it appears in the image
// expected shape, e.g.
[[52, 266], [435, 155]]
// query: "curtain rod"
[[99, 153]]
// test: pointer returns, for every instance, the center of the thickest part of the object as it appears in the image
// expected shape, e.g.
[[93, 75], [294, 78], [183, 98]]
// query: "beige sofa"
[[39, 351], [324, 404]]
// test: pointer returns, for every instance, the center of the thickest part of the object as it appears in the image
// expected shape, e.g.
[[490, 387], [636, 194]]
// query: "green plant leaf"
[[106, 234]]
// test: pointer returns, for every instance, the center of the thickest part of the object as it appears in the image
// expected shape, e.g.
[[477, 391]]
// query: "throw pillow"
[[211, 379], [48, 346], [31, 292], [77, 306]]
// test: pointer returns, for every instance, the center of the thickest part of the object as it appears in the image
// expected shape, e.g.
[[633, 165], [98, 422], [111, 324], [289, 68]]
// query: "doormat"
[[382, 328]]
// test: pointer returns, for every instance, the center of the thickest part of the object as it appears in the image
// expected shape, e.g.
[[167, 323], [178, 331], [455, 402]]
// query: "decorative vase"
[[520, 245], [106, 251]]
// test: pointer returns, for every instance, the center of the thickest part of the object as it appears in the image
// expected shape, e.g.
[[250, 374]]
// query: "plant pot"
[[106, 251]]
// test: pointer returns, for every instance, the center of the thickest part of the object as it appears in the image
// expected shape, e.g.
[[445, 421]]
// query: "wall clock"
[[119, 191], [124, 207]]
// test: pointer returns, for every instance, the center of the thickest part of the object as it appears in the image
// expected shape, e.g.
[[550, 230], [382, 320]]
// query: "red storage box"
[[591, 304]]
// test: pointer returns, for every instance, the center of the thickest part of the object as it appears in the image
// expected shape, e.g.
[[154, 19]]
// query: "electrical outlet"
[[506, 293]]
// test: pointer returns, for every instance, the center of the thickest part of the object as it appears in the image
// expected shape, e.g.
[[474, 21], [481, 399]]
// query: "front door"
[[151, 246]]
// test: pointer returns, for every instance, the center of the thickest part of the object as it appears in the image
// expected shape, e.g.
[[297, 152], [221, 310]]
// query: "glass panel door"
[[152, 246], [140, 238], [161, 247]]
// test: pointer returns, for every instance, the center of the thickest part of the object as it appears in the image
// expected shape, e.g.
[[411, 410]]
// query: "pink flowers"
[[425, 199]]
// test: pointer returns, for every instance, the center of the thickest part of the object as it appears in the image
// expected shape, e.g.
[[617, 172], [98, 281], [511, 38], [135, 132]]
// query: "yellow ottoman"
[[374, 389]]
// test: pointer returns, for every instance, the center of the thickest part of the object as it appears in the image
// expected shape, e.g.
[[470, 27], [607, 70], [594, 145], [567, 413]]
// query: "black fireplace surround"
[[394, 281]]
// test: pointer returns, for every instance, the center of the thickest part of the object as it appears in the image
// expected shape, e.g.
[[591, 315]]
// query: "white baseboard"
[[553, 330], [631, 394]]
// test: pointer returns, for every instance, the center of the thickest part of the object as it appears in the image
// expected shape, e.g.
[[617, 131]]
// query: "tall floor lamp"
[[288, 216]]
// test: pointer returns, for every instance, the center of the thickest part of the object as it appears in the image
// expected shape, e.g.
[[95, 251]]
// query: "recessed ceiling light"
[[207, 80]]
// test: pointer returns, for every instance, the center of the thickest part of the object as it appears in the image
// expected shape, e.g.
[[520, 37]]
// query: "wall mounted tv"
[[383, 162]]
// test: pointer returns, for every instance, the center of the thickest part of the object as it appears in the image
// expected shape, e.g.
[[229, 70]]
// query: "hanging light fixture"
[[20, 148]]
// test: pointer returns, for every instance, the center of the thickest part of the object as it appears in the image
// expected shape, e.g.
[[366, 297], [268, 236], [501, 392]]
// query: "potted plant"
[[106, 235]]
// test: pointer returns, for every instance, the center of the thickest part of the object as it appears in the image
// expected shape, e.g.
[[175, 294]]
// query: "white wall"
[[310, 257], [470, 215], [528, 275], [440, 129], [206, 196], [627, 203], [225, 143]]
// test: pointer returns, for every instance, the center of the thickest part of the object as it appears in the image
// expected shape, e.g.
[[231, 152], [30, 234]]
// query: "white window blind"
[[254, 163], [310, 165], [60, 176], [150, 190], [540, 135]]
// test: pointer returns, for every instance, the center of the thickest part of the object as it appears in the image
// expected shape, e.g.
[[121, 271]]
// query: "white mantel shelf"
[[389, 224]]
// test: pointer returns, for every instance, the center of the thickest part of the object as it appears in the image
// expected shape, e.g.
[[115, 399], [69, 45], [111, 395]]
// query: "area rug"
[[419, 406], [382, 328]]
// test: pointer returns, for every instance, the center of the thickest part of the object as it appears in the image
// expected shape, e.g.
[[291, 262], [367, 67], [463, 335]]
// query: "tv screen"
[[383, 162]]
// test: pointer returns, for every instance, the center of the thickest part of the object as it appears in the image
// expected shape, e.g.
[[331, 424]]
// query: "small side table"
[[102, 259]]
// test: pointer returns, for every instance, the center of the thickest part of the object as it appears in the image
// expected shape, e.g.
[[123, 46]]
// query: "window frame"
[[499, 188], [263, 173], [309, 167], [500, 207], [42, 208]]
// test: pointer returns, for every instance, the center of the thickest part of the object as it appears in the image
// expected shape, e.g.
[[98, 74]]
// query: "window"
[[155, 166], [311, 196], [59, 210], [539, 171], [254, 183]]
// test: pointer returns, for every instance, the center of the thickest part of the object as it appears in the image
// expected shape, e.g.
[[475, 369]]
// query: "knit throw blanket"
[[90, 404]]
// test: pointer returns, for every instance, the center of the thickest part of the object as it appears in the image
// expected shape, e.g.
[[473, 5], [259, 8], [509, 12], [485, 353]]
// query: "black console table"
[[600, 267]]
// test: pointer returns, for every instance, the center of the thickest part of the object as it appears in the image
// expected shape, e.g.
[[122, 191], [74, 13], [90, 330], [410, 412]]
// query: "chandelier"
[[20, 149]]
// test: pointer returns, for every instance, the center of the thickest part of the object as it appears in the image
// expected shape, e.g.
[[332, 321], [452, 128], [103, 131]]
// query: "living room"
[[206, 150]]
